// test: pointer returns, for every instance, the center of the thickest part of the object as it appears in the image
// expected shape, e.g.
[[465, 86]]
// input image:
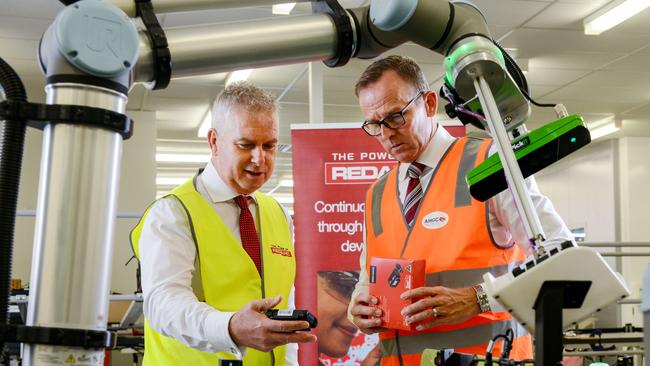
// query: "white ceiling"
[[596, 76]]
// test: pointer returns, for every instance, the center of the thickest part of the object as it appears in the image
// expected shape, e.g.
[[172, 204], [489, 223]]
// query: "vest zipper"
[[259, 220]]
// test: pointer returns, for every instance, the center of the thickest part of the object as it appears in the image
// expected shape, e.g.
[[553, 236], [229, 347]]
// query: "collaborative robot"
[[95, 51]]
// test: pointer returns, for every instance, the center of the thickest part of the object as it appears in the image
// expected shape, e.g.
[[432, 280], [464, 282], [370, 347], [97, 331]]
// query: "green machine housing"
[[534, 152]]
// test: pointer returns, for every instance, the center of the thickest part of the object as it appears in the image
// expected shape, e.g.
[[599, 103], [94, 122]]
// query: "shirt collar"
[[217, 189], [433, 152]]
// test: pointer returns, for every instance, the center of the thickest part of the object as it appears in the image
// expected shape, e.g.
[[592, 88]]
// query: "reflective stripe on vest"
[[229, 279], [466, 277], [455, 338], [451, 232]]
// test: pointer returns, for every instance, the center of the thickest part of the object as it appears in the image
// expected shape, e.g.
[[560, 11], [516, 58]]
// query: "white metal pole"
[[315, 92], [513, 174]]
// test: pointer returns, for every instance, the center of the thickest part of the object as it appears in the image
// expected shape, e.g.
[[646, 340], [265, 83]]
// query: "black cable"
[[546, 105], [399, 351], [513, 69], [520, 79], [508, 338], [507, 343], [12, 144], [488, 358]]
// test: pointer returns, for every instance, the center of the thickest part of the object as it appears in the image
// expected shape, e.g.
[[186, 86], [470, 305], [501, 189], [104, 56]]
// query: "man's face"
[[243, 151], [389, 95], [335, 332]]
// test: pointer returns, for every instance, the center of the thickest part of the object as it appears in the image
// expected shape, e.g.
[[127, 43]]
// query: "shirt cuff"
[[218, 335]]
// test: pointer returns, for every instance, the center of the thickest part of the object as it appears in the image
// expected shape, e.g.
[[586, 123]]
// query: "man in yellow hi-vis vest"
[[422, 209], [216, 254]]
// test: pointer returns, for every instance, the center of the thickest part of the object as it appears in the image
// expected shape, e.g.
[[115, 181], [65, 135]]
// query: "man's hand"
[[365, 315], [451, 306], [250, 327]]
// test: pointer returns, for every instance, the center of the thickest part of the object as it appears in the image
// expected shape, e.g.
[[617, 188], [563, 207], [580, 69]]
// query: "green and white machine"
[[534, 152], [485, 87]]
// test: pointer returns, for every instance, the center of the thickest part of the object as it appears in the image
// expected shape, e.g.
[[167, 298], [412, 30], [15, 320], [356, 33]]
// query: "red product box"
[[389, 278]]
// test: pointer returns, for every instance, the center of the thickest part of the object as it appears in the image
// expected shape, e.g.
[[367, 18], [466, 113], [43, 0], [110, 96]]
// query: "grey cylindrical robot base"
[[75, 220]]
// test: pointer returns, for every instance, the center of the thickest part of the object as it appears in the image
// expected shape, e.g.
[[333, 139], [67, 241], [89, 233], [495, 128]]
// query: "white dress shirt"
[[504, 220], [167, 254]]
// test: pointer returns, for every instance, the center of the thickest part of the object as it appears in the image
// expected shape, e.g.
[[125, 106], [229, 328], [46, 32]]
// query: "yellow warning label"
[[70, 359]]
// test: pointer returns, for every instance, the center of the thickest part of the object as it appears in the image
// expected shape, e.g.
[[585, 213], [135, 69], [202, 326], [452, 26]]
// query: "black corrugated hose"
[[12, 143]]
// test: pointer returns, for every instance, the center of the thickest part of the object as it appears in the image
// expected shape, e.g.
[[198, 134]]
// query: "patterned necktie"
[[249, 239], [414, 191]]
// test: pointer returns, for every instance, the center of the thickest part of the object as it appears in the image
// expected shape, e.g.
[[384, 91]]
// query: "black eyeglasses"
[[392, 121]]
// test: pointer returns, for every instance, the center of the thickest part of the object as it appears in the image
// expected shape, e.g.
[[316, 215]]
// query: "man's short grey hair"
[[245, 95]]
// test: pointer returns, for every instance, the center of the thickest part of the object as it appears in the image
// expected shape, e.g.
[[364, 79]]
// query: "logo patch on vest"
[[435, 220], [276, 249]]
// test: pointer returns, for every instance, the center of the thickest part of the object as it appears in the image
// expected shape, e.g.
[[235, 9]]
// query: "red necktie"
[[249, 239], [414, 191]]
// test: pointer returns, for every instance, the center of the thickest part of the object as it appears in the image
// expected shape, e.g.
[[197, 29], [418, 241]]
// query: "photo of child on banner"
[[339, 342]]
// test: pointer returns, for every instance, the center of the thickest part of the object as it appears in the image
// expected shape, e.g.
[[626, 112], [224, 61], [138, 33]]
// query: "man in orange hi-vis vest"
[[422, 209]]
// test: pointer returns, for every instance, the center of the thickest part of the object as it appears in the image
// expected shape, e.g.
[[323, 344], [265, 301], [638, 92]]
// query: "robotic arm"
[[95, 51]]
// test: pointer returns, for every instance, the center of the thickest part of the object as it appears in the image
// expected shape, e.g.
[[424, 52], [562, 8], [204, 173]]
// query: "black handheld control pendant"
[[287, 314], [230, 363]]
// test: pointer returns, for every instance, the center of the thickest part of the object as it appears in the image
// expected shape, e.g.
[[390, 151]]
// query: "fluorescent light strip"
[[170, 181], [283, 9], [613, 15], [284, 199], [182, 158], [603, 130]]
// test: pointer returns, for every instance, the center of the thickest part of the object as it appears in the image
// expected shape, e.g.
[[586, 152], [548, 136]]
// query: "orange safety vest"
[[451, 232]]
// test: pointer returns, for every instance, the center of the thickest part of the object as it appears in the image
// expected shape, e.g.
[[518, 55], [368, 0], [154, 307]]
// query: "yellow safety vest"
[[225, 277]]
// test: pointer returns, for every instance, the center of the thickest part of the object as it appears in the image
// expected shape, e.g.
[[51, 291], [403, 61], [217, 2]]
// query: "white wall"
[[634, 162], [581, 187], [137, 191], [604, 188]]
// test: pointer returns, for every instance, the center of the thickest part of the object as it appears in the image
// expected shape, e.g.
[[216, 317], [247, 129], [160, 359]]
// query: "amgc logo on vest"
[[356, 172], [435, 220]]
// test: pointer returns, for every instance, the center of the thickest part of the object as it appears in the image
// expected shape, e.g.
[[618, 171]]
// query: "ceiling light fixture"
[[239, 75], [286, 182], [283, 9], [182, 158], [613, 14]]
